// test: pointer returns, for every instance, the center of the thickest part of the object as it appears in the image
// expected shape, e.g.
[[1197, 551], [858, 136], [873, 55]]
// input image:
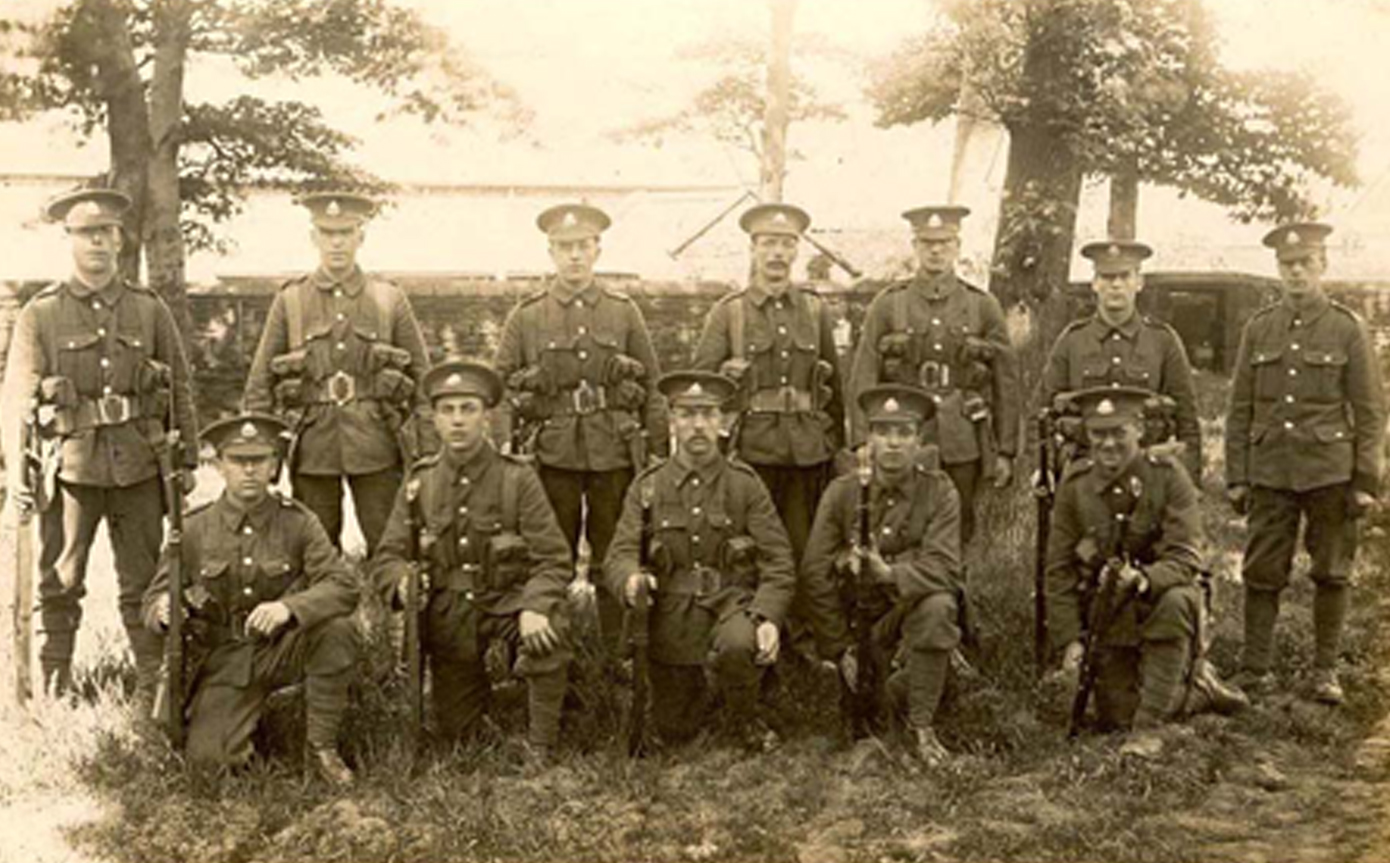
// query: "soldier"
[[1305, 431], [937, 332], [97, 370], [775, 340], [496, 563], [721, 569], [341, 354], [1130, 517], [581, 371], [904, 585], [268, 601], [1119, 346]]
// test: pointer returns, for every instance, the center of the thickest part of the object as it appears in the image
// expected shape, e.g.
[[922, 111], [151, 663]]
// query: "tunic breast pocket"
[[1267, 369], [1096, 371], [79, 359], [1323, 374], [277, 578]]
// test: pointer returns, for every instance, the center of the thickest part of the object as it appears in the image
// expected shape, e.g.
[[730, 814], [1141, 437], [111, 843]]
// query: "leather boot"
[[1209, 693]]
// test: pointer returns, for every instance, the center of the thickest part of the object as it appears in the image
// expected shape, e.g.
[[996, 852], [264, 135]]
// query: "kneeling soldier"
[[884, 562], [1123, 563], [495, 563], [268, 601], [720, 571]]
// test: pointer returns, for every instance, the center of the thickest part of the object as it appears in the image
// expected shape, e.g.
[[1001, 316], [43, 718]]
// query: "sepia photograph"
[[694, 431]]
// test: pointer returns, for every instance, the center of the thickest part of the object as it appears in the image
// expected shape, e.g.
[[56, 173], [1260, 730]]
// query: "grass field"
[[1288, 780]]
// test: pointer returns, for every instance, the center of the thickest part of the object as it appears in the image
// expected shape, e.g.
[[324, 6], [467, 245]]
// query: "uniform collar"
[[687, 472], [758, 294], [937, 287], [1129, 329], [473, 466], [1308, 313], [110, 293], [233, 516], [351, 284], [561, 291], [902, 483]]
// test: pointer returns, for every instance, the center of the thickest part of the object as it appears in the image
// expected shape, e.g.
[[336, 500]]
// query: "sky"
[[585, 68]]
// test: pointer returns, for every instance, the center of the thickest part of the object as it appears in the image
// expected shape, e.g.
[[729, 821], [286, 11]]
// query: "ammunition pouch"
[[531, 379], [627, 396], [381, 357], [289, 365], [529, 406], [895, 358], [507, 562], [289, 394], [1160, 420], [738, 557], [621, 367], [155, 385], [392, 385]]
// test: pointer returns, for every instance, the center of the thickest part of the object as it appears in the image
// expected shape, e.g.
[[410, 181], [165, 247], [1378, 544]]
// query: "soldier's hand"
[[161, 611], [1003, 471], [1239, 496], [1072, 655], [538, 638], [22, 497], [1362, 503], [633, 582], [735, 369], [268, 617], [769, 640], [849, 669], [879, 570], [1131, 578]]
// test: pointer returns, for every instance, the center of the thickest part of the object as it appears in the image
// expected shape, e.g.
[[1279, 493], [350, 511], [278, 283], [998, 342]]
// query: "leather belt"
[[782, 400], [107, 410], [466, 578], [582, 400], [698, 579]]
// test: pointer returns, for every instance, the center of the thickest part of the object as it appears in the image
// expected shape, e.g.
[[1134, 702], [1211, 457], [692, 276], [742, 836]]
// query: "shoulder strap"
[[738, 339], [294, 315], [899, 298], [380, 294]]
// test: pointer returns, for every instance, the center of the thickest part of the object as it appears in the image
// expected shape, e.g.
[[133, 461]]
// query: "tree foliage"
[[1093, 87], [73, 62], [731, 107]]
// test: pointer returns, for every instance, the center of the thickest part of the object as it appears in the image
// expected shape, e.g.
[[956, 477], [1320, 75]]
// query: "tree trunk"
[[164, 251], [1123, 220], [127, 123], [776, 116]]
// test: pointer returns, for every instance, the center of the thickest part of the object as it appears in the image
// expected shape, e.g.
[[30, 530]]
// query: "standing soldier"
[[495, 564], [97, 371], [341, 354], [581, 371], [775, 340], [720, 570], [1304, 435], [1118, 346], [937, 332], [901, 583], [1123, 562], [268, 603]]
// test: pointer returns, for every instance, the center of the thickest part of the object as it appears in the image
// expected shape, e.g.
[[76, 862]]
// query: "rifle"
[[639, 633], [170, 702], [1103, 613], [860, 703], [32, 478], [411, 636], [1045, 490]]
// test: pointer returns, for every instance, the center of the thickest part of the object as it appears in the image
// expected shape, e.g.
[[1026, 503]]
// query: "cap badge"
[[333, 209], [695, 390], [1293, 239], [934, 221], [891, 406], [569, 221], [1113, 251], [248, 430], [780, 218], [1105, 408], [454, 380]]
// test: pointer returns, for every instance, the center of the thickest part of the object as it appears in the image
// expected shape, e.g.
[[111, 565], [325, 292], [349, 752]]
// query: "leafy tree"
[[118, 67], [1114, 87], [731, 108]]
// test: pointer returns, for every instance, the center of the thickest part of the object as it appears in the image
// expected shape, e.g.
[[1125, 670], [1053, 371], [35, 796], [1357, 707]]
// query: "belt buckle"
[[930, 376], [786, 394], [342, 388], [588, 399], [113, 409]]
